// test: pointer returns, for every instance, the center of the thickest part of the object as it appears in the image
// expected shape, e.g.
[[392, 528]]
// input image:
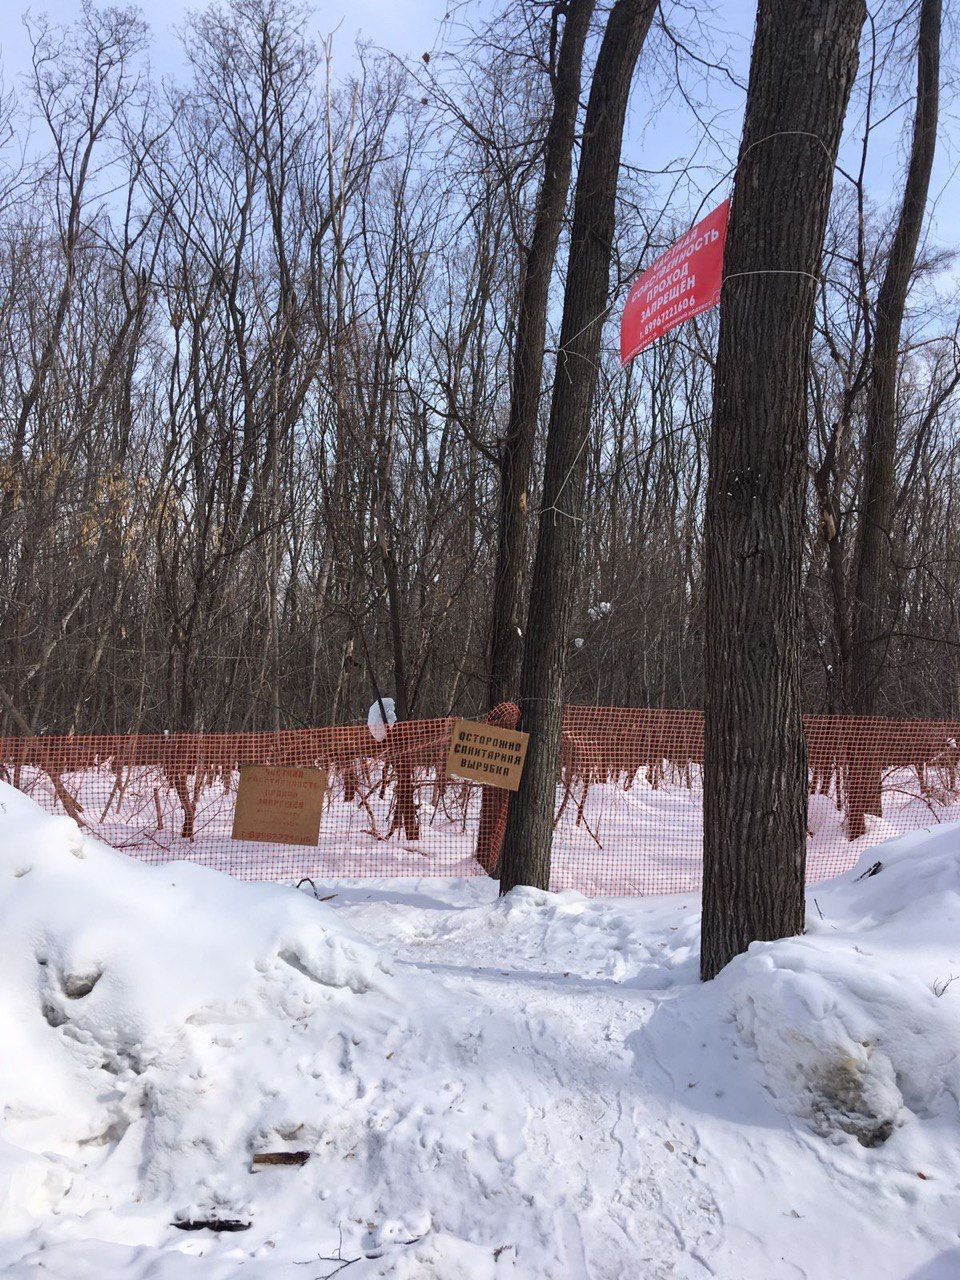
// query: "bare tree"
[[526, 856], [879, 496], [293, 298], [516, 462]]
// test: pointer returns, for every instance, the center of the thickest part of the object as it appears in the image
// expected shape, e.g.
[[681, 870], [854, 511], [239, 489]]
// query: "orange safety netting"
[[628, 809]]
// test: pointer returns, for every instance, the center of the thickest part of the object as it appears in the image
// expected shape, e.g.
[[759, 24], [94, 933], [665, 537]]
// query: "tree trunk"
[[516, 461], [526, 855], [755, 775], [874, 567]]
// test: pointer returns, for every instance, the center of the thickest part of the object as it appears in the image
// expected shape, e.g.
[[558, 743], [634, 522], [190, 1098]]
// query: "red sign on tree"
[[683, 282]]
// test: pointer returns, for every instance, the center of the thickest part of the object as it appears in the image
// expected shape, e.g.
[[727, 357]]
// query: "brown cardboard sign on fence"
[[483, 753], [279, 805]]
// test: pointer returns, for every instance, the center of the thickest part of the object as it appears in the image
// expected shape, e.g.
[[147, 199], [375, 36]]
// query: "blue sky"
[[661, 129], [404, 26]]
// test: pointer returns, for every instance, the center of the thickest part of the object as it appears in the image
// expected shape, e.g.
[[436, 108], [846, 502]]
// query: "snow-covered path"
[[651, 1146], [609, 1169]]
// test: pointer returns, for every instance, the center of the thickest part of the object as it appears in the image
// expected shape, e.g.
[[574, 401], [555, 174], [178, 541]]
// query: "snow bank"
[[531, 1087], [161, 1026], [857, 1024]]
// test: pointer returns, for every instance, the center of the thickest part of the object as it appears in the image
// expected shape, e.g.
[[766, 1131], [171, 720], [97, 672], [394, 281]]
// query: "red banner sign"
[[683, 282]]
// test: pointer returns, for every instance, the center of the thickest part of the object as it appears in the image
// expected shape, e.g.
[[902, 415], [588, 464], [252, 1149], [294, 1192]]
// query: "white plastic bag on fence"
[[375, 721]]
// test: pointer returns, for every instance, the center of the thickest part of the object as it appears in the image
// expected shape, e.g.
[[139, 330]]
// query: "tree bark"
[[516, 460], [755, 774], [526, 854]]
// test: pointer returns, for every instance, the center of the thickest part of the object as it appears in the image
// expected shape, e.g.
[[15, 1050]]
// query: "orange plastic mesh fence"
[[628, 807]]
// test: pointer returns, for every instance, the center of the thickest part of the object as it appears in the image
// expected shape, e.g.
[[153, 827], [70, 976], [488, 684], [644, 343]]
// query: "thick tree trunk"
[[874, 567], [526, 854], [755, 776], [516, 462]]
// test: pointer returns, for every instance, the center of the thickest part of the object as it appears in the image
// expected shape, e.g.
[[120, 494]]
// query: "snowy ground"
[[633, 839], [536, 1087]]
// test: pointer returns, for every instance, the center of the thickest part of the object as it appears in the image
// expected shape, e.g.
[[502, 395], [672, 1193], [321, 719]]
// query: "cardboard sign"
[[682, 283], [484, 753], [279, 805]]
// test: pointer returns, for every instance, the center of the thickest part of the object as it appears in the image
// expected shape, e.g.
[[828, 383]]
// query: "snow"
[[639, 835], [536, 1086]]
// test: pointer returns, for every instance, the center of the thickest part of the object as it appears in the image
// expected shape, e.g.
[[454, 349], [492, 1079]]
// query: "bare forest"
[[258, 332]]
